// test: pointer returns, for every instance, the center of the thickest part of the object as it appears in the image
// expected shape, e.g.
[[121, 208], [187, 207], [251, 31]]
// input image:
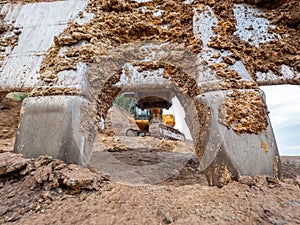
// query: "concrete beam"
[[37, 23]]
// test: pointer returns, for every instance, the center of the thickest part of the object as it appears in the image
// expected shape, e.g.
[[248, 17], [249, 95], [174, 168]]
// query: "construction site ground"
[[135, 180]]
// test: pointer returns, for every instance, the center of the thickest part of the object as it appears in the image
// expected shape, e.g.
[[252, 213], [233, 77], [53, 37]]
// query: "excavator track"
[[163, 131], [136, 133], [171, 133], [158, 130]]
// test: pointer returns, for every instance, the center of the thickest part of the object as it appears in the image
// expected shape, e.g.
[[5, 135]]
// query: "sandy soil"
[[47, 191]]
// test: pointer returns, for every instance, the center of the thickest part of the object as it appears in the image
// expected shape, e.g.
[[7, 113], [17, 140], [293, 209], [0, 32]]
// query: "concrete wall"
[[37, 23]]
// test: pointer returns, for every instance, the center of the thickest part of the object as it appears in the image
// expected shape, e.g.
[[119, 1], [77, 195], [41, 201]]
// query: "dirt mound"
[[47, 173], [118, 120], [29, 184], [47, 191]]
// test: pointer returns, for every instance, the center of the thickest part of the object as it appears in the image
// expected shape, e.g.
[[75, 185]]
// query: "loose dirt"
[[9, 114], [47, 191]]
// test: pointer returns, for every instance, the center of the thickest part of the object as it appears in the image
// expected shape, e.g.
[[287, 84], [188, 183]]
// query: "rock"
[[48, 174], [11, 162], [272, 180], [42, 174], [247, 180], [77, 177], [166, 217]]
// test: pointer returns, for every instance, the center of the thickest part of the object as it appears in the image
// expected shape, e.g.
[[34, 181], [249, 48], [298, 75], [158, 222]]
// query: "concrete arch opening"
[[156, 89], [222, 143]]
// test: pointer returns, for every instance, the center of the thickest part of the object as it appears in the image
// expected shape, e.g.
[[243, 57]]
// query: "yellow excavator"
[[149, 117]]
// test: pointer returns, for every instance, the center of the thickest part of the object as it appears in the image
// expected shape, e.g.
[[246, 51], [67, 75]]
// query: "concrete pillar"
[[60, 126], [227, 154]]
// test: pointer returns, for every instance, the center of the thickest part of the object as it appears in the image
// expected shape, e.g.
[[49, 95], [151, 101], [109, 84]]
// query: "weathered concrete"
[[55, 126], [229, 155], [37, 24]]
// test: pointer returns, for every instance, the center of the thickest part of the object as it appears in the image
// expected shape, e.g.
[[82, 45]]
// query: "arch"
[[179, 74], [214, 142]]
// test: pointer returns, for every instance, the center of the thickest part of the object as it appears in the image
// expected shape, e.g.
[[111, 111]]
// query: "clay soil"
[[47, 191]]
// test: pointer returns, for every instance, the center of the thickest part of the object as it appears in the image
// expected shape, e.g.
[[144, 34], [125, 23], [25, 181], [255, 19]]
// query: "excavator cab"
[[168, 119], [142, 118]]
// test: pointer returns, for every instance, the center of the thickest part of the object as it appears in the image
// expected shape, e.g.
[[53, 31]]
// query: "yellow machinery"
[[148, 114], [168, 119], [143, 119], [152, 122]]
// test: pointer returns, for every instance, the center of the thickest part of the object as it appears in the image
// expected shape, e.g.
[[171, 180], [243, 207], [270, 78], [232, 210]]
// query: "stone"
[[247, 180], [11, 162]]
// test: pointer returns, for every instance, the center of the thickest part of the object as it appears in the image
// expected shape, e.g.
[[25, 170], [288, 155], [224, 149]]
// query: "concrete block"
[[60, 126], [228, 155]]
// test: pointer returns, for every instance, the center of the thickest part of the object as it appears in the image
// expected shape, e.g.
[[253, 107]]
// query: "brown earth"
[[47, 191], [9, 119]]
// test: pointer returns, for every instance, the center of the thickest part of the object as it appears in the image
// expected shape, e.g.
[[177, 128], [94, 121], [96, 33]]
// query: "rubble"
[[48, 174]]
